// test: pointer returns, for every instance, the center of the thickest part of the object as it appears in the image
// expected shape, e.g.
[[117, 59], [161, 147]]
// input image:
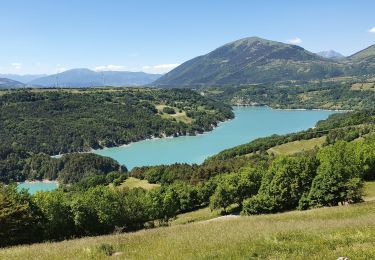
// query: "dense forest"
[[250, 181], [62, 121]]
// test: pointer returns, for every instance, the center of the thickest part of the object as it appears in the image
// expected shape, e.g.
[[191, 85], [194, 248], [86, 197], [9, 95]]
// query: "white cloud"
[[16, 65], [110, 68], [161, 68], [372, 30], [295, 41], [61, 69]]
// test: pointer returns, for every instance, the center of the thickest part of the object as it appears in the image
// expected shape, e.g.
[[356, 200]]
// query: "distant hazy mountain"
[[331, 54], [251, 60], [8, 83], [89, 78], [22, 78]]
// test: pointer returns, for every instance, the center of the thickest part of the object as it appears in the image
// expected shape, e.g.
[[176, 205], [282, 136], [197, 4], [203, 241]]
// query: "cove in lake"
[[249, 123], [35, 186]]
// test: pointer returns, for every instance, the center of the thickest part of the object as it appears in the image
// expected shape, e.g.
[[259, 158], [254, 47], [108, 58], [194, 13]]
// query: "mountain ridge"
[[254, 60], [83, 77], [6, 83]]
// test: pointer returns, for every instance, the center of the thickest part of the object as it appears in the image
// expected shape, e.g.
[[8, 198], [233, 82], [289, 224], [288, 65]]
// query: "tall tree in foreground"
[[338, 177]]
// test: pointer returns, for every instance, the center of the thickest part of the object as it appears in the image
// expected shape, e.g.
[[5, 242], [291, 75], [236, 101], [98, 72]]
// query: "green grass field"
[[369, 191], [132, 183], [297, 146], [194, 216], [325, 233]]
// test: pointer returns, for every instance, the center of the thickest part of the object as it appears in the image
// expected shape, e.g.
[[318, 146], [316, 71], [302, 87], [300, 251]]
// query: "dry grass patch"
[[363, 86]]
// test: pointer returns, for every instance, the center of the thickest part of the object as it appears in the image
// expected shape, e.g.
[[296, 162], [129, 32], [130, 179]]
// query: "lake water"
[[33, 187], [249, 123]]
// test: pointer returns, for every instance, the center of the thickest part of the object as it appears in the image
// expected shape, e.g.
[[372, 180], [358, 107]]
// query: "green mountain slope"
[[251, 60], [362, 62], [254, 60]]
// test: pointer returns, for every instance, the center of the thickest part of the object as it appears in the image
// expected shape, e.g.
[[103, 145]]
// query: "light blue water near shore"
[[33, 187], [249, 123]]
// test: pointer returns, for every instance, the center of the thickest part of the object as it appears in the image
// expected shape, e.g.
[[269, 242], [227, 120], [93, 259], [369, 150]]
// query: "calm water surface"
[[249, 123], [33, 187]]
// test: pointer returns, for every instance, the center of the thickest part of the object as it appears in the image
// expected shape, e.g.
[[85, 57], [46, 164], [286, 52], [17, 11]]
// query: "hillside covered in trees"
[[347, 93], [62, 121]]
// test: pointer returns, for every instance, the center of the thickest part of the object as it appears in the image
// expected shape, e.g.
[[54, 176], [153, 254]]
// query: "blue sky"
[[154, 36]]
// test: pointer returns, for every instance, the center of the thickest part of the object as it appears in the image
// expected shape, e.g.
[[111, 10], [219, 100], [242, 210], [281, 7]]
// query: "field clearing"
[[179, 116], [132, 183], [325, 233], [297, 146], [363, 86]]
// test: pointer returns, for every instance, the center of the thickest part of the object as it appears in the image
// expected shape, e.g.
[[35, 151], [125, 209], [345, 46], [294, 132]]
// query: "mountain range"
[[255, 60], [22, 78], [82, 78], [89, 78], [247, 61]]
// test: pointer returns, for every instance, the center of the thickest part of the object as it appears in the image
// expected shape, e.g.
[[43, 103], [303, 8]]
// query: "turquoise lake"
[[33, 187], [248, 124]]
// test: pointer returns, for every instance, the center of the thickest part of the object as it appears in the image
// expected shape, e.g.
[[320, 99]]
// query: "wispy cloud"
[[110, 68], [372, 30], [60, 68], [16, 65], [295, 41], [161, 68]]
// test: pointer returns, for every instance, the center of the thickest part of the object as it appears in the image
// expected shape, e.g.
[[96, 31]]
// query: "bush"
[[169, 110], [259, 204]]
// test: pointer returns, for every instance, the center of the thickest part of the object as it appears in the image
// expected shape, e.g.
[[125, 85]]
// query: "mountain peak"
[[331, 54], [247, 61]]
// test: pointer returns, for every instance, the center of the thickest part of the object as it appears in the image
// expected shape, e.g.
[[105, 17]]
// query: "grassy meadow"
[[132, 183], [297, 146], [325, 233]]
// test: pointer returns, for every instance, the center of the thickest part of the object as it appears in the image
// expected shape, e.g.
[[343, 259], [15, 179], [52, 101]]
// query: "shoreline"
[[45, 181], [163, 137], [152, 138], [297, 109]]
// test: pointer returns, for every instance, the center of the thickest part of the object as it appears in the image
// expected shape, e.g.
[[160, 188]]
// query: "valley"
[[154, 130]]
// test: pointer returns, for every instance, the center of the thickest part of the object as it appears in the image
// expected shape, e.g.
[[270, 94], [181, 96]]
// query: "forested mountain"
[[88, 78], [6, 83], [362, 62], [255, 60]]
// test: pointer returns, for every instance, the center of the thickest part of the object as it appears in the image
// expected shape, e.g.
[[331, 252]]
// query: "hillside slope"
[[362, 62], [251, 60], [6, 83], [326, 233]]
